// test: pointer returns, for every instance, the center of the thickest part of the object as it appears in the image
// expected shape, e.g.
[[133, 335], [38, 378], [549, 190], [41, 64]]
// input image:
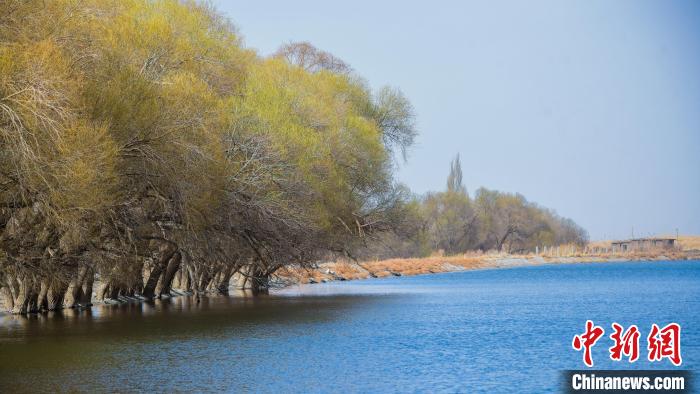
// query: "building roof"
[[643, 239]]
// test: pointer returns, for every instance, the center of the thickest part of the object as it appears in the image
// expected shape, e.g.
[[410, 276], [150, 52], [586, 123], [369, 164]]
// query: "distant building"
[[635, 244]]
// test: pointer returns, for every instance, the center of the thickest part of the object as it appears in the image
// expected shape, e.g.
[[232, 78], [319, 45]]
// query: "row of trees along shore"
[[453, 222], [144, 148]]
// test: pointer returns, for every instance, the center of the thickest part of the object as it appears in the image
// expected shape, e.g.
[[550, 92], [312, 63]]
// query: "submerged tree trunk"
[[182, 280], [51, 295], [222, 284], [54, 296], [24, 295], [166, 280], [166, 251], [242, 279], [75, 288], [43, 290], [103, 291], [201, 277], [250, 277], [149, 286], [260, 281], [109, 290], [8, 301], [86, 293]]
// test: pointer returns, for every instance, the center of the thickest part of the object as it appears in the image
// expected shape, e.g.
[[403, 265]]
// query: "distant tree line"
[[453, 222]]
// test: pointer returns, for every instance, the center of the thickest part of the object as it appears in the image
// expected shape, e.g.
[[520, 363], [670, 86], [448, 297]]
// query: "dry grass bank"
[[689, 248], [689, 242]]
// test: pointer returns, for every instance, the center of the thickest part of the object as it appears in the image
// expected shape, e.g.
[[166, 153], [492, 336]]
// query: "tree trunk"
[[242, 278], [149, 286], [166, 251], [86, 293], [75, 288], [54, 296], [166, 281], [224, 280], [8, 302], [103, 291], [260, 282], [43, 291], [25, 297]]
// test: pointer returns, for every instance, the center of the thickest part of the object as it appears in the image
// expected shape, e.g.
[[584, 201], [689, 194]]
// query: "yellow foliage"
[[84, 170], [154, 105], [316, 121]]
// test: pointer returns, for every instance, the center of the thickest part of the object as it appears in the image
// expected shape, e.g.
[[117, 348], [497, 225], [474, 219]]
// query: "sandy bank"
[[347, 270]]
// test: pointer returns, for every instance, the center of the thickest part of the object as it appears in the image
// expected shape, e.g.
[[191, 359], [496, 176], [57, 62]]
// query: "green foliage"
[[135, 129], [394, 114], [492, 220]]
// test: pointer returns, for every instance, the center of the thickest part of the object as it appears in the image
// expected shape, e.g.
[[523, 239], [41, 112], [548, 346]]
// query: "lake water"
[[493, 330]]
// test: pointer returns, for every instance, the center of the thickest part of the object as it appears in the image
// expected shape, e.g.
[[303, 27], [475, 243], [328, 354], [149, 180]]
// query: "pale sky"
[[591, 108]]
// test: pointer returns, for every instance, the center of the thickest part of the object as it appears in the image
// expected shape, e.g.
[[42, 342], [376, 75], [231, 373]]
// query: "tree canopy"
[[140, 138], [492, 220]]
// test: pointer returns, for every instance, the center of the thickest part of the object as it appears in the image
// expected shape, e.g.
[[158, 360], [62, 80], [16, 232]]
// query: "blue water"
[[477, 331]]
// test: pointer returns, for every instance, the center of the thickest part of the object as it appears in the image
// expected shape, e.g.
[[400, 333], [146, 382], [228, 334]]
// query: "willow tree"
[[336, 186], [141, 145], [57, 166], [114, 126]]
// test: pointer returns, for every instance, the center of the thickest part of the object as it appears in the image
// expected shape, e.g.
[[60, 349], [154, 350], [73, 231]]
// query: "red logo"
[[663, 343], [586, 341], [625, 344]]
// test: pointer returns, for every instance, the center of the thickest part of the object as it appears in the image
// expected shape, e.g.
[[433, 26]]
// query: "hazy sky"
[[591, 108]]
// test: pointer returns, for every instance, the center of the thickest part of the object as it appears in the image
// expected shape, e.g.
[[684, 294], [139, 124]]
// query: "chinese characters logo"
[[662, 343]]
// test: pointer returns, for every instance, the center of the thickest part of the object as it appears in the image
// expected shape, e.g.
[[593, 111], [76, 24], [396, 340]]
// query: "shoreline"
[[346, 271], [341, 271], [290, 285]]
